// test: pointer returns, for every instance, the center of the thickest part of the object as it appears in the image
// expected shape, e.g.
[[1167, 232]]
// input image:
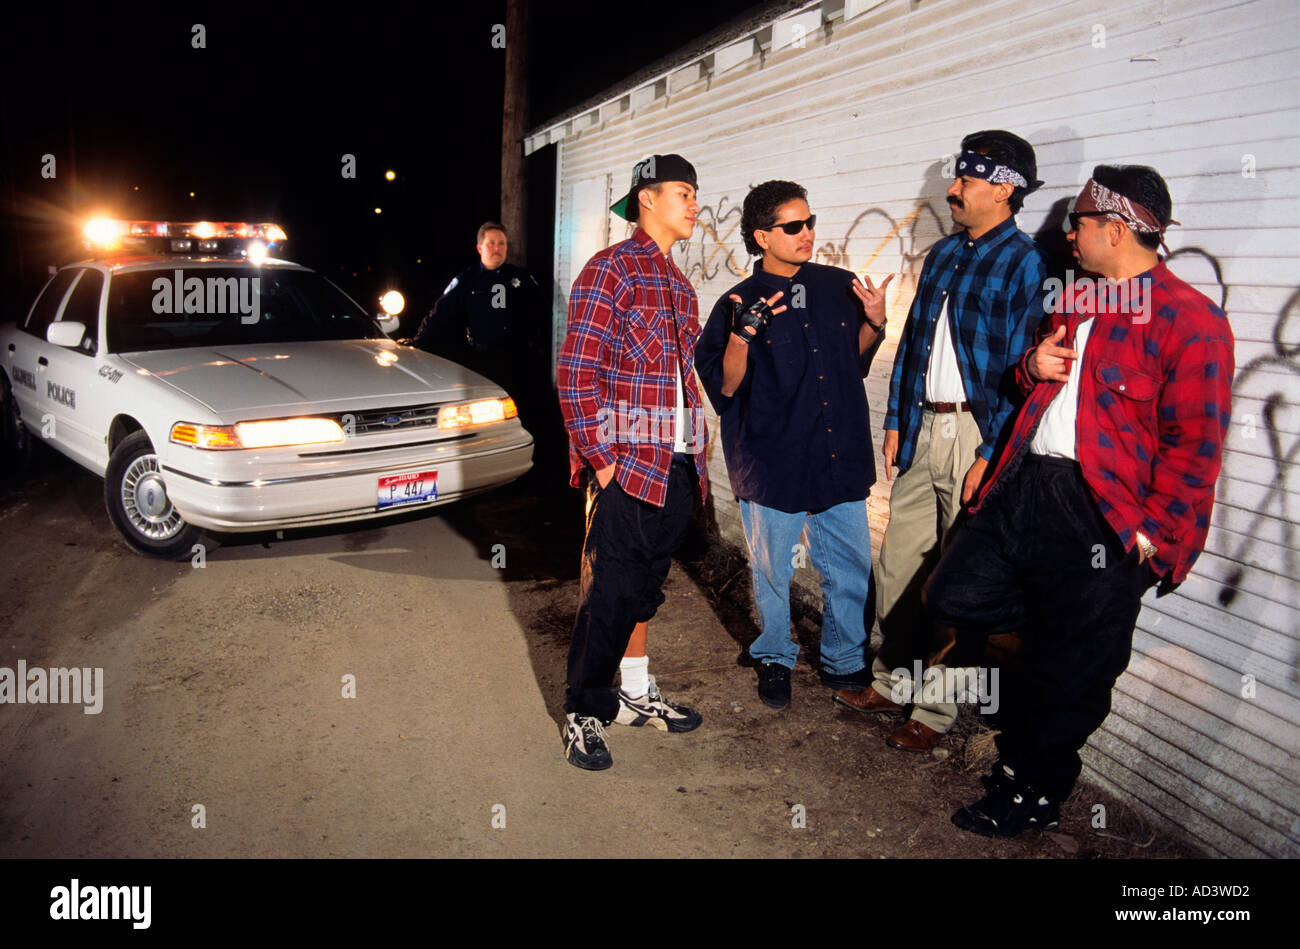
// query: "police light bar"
[[177, 236]]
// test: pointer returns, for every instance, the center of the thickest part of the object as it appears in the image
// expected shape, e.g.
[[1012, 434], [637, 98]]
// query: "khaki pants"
[[923, 504]]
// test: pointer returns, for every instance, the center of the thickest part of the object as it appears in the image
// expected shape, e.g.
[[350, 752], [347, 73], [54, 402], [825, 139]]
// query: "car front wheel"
[[16, 444], [138, 505]]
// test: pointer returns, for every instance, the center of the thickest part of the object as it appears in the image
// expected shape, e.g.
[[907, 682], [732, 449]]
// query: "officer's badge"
[[515, 283]]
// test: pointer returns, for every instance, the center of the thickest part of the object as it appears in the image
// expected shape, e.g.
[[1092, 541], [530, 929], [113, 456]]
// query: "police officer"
[[490, 319]]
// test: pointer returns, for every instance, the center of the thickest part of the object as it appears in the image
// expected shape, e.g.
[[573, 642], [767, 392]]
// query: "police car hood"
[[278, 378]]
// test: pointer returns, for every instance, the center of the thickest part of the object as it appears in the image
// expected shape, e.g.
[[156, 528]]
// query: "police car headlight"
[[482, 412], [274, 433]]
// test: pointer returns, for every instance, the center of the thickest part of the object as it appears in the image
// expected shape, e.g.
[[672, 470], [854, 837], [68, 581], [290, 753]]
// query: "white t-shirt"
[[942, 376], [1056, 435]]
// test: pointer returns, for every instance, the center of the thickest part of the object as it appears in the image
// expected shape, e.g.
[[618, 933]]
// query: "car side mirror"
[[387, 323], [69, 334]]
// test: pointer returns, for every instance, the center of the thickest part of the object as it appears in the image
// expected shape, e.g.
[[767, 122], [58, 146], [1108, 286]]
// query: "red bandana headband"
[[1096, 198]]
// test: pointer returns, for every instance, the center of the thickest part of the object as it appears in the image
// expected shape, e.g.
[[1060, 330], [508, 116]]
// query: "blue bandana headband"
[[975, 165]]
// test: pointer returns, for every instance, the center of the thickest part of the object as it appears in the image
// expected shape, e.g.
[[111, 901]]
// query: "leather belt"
[[942, 407]]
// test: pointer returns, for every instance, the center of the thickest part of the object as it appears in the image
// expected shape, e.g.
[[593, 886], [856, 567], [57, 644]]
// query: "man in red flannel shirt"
[[636, 441], [1103, 489]]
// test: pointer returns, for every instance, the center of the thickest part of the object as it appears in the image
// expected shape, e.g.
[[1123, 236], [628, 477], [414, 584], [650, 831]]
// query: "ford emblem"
[[392, 420]]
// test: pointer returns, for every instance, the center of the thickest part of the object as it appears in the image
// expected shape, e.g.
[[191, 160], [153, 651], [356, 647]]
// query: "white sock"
[[636, 677]]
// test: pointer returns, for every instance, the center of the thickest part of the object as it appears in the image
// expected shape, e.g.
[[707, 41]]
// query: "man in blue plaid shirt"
[[977, 305]]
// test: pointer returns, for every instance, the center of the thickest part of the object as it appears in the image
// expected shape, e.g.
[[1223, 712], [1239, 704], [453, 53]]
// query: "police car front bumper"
[[288, 488]]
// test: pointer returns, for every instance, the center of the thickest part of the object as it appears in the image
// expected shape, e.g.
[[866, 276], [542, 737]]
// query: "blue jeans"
[[841, 552]]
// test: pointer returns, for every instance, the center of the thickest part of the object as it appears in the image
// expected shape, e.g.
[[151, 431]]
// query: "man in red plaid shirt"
[[1104, 488], [636, 442]]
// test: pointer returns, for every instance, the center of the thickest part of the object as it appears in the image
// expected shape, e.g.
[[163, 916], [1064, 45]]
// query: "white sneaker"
[[653, 709]]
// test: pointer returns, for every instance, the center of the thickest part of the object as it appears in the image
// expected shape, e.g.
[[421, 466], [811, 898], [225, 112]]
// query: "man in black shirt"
[[787, 385]]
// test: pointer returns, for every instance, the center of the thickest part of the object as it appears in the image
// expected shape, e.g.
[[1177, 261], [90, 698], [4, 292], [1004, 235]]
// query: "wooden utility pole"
[[514, 123]]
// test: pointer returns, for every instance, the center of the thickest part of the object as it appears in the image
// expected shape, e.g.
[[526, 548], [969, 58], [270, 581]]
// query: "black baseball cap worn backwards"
[[650, 171]]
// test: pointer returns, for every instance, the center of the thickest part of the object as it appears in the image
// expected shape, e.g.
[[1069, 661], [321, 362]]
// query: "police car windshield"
[[202, 306]]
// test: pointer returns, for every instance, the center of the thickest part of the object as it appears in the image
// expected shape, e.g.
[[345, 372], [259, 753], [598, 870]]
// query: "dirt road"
[[228, 726]]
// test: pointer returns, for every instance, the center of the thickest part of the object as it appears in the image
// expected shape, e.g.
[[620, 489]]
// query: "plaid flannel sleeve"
[[587, 347], [1024, 315], [1193, 413]]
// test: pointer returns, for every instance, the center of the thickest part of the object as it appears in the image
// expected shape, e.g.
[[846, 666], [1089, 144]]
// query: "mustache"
[[954, 202]]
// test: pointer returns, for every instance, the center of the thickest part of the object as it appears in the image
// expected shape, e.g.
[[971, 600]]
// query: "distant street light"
[[390, 175], [379, 210]]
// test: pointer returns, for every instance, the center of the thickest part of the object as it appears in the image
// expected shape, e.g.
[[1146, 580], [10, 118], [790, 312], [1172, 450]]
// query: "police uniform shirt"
[[486, 309], [496, 306]]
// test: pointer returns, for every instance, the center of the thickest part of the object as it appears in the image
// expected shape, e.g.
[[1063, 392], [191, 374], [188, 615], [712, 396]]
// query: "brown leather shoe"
[[913, 736], [868, 700]]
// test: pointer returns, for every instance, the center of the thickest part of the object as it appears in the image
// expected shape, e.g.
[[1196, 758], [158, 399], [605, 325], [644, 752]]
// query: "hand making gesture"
[[749, 322], [1050, 362], [873, 300]]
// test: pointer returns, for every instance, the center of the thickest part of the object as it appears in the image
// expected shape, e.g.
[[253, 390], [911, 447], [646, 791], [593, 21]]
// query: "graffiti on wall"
[[717, 246], [1267, 376], [901, 250], [718, 236]]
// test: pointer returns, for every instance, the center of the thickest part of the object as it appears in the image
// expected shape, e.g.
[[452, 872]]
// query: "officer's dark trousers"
[[1039, 559], [625, 559]]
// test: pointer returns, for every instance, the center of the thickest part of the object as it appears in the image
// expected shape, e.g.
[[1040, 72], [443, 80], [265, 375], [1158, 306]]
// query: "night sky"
[[256, 125]]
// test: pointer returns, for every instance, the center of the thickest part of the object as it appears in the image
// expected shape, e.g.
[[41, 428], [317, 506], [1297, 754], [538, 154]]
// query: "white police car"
[[215, 387]]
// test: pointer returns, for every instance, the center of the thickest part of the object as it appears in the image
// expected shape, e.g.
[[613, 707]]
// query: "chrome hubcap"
[[144, 498]]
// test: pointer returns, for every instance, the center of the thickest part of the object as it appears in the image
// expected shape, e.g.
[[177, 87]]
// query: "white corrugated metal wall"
[[861, 102]]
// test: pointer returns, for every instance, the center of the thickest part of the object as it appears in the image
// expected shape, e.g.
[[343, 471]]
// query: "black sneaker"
[[1008, 808], [774, 685], [584, 743], [1001, 776], [653, 709]]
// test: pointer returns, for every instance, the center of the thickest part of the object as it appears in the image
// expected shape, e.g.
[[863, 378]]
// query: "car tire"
[[16, 443], [137, 502]]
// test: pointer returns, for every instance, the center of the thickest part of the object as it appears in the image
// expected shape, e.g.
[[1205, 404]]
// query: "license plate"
[[409, 488]]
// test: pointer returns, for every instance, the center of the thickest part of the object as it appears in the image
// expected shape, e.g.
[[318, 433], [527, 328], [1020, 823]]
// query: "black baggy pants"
[[626, 554], [1039, 559]]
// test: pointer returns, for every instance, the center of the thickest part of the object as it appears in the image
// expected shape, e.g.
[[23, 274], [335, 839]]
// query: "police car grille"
[[392, 420]]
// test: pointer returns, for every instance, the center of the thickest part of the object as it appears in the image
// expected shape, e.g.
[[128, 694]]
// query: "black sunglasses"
[[793, 227], [1075, 215]]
